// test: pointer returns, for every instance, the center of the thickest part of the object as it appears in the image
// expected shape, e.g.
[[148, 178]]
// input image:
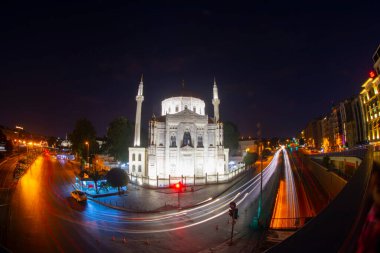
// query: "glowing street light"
[[88, 153]]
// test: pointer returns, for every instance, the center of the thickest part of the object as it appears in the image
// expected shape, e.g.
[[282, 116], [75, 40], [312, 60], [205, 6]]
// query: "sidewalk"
[[139, 199]]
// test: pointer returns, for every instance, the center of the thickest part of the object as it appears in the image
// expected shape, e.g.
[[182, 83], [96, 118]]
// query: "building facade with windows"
[[371, 106], [183, 140]]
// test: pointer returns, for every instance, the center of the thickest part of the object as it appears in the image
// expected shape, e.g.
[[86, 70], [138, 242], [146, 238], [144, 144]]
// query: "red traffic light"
[[178, 185]]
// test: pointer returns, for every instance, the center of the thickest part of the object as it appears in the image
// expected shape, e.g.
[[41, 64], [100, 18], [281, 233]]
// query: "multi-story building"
[[349, 130], [313, 134], [371, 106], [360, 133]]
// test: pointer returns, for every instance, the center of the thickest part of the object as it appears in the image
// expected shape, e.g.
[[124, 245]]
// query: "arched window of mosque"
[[139, 168], [186, 138], [194, 109], [133, 168], [185, 107], [139, 157], [176, 108], [200, 141], [133, 157], [173, 142]]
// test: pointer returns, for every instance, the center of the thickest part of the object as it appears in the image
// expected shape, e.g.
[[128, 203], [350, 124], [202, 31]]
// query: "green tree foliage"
[[119, 138], [250, 158], [83, 131], [231, 137], [117, 177]]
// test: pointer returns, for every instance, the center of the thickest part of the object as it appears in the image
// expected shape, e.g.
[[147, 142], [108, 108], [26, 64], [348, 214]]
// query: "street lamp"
[[261, 180], [88, 153], [256, 223]]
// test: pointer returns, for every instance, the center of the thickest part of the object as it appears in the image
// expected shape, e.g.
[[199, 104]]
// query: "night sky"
[[275, 62]]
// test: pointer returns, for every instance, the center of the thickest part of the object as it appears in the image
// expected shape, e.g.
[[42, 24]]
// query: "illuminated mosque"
[[183, 141]]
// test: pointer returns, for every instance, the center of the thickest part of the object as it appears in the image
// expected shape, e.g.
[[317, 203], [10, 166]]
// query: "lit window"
[[186, 138]]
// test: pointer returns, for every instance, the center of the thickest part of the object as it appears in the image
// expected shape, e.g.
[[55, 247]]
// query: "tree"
[[250, 158], [52, 141], [95, 175], [117, 177], [266, 152], [119, 138], [83, 131], [231, 137]]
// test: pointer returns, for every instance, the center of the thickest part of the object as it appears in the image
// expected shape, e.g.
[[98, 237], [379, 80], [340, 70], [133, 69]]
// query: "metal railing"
[[158, 182]]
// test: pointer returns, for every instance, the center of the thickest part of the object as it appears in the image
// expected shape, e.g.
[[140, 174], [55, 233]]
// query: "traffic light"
[[233, 211], [178, 186], [236, 213]]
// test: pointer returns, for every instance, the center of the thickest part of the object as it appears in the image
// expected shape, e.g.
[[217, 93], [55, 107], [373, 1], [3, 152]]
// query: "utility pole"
[[261, 170]]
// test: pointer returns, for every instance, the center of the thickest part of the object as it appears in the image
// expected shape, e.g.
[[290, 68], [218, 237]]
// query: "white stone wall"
[[137, 161], [167, 153]]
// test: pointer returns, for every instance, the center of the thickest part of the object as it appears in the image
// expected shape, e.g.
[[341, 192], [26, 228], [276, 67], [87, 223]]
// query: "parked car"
[[79, 195]]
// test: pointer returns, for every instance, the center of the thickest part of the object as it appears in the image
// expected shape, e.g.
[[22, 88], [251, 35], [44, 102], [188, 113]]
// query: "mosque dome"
[[177, 104]]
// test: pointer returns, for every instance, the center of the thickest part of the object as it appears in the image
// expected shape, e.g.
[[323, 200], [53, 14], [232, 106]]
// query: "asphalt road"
[[44, 218], [6, 185]]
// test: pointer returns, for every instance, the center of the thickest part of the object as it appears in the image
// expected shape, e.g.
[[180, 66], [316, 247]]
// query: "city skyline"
[[280, 65]]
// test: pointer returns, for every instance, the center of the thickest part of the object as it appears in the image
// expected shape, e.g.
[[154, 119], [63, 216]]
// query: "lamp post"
[[261, 169], [88, 153], [261, 180]]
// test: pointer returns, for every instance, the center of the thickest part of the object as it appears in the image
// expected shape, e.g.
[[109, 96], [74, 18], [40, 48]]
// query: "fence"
[[186, 180]]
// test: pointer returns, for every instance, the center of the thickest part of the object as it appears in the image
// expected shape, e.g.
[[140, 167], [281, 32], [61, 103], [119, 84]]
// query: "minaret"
[[215, 102], [139, 100]]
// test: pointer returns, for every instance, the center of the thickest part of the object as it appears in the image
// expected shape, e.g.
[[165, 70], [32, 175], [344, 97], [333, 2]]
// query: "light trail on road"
[[286, 212]]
